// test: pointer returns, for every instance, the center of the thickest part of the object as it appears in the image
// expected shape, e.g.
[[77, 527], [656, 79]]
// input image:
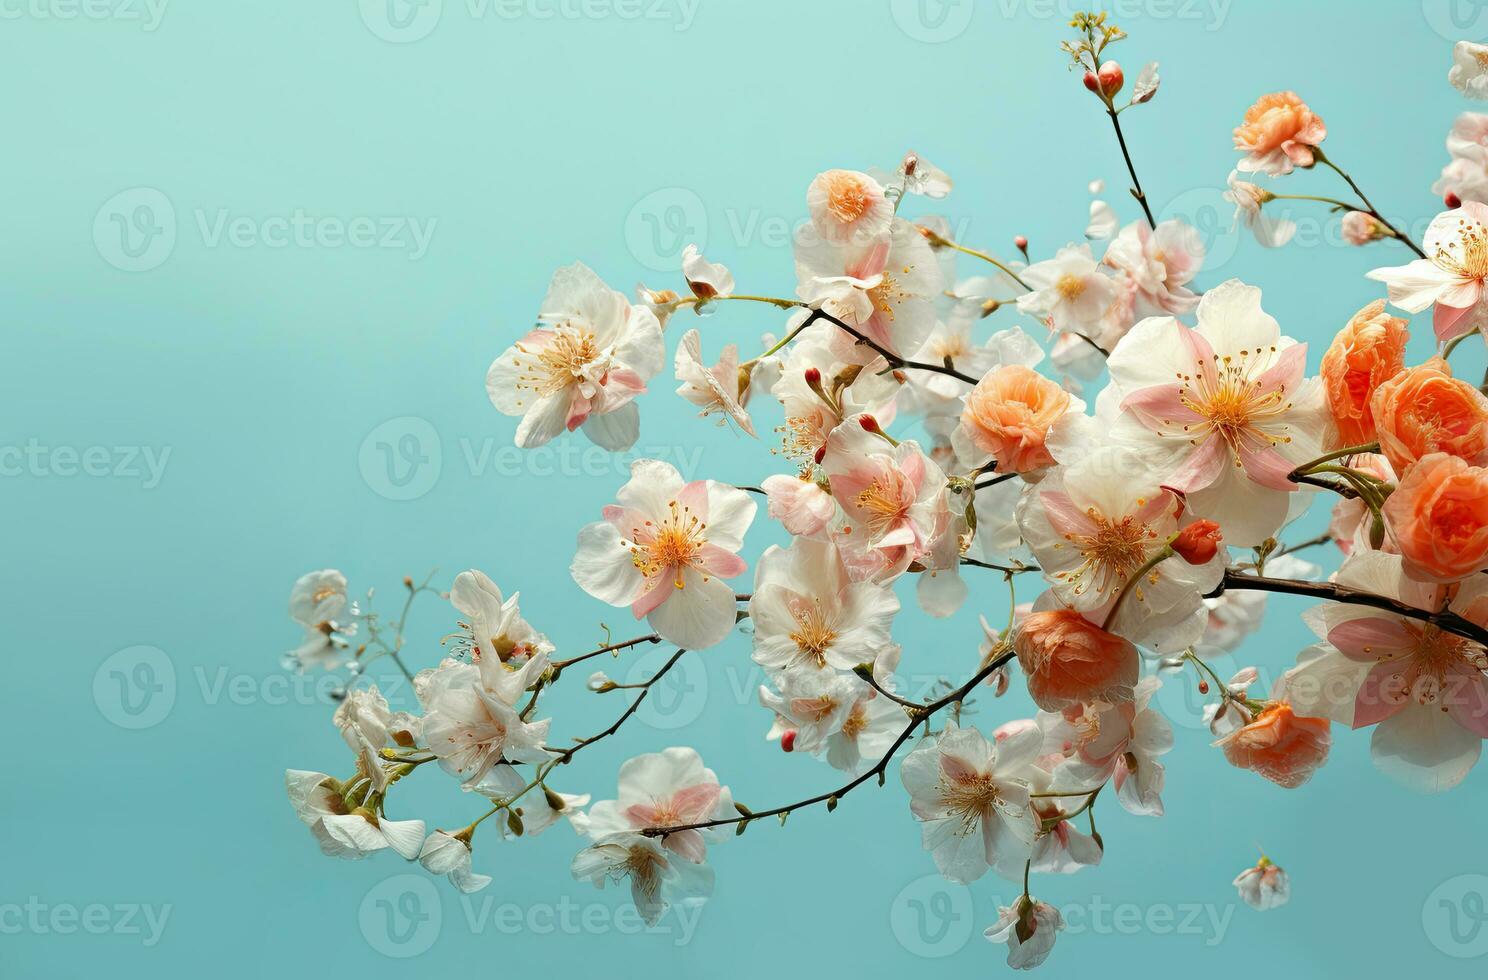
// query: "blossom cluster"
[[1140, 448]]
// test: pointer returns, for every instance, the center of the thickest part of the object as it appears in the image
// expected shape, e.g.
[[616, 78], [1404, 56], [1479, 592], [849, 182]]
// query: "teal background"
[[531, 141]]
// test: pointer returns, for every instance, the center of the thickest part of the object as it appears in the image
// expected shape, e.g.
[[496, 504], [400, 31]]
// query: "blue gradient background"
[[533, 141]]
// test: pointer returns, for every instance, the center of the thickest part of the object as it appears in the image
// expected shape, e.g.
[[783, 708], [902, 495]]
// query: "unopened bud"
[[1452, 201], [1111, 78], [1199, 542], [1021, 242], [1203, 687], [788, 741], [813, 376], [869, 424]]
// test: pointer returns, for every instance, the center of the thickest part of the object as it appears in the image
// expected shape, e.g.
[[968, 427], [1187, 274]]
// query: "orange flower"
[[1279, 133], [1008, 414], [1069, 660], [1438, 516], [1279, 745], [1370, 349], [1425, 410]]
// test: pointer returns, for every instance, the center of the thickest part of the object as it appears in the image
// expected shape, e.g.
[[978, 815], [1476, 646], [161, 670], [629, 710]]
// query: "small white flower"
[[706, 279], [1265, 886], [1029, 929], [446, 854], [1469, 71], [714, 388]]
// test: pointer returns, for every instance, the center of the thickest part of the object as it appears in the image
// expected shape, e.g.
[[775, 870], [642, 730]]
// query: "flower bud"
[[1198, 543], [1021, 242], [1111, 78], [788, 741], [1452, 201], [813, 376], [869, 424], [1092, 82]]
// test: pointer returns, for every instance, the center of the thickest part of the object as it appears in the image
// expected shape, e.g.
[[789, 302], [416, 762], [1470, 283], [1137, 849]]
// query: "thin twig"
[[878, 769]]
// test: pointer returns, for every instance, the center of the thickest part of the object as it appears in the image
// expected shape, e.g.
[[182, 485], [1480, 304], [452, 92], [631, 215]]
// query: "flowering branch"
[[921, 713], [1444, 620], [1369, 208]]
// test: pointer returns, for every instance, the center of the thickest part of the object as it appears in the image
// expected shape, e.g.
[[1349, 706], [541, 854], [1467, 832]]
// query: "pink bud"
[[788, 741], [1111, 78], [1021, 242], [1091, 82]]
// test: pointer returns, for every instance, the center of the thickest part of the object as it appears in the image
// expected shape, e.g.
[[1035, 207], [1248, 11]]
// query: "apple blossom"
[[664, 549], [582, 368]]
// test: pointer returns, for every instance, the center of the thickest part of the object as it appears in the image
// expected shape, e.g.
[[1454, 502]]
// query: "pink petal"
[[1064, 515], [720, 563], [1160, 405], [1371, 638], [695, 804], [1466, 697], [1450, 322], [1288, 370], [659, 588], [1379, 697], [1267, 467], [1202, 468]]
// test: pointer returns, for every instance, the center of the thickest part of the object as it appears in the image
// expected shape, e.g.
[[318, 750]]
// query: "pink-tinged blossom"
[[1423, 690], [799, 503], [471, 718], [849, 207], [1120, 742], [1249, 201], [843, 388], [894, 497], [662, 789], [1452, 274], [971, 798], [833, 713], [1161, 262], [1093, 524], [1224, 410], [715, 388], [665, 549], [884, 288], [582, 368], [808, 612]]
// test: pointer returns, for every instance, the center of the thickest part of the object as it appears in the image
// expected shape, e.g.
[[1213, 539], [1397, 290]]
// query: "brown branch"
[[895, 361], [609, 648], [921, 713], [1445, 620], [564, 755]]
